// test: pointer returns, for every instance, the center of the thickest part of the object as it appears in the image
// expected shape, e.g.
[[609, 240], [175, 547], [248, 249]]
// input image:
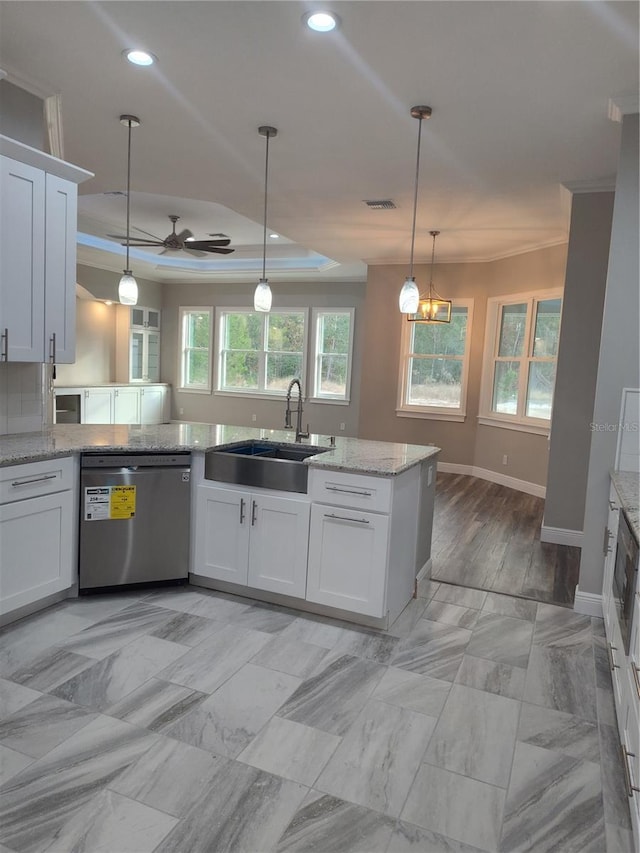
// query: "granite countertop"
[[627, 485], [350, 454]]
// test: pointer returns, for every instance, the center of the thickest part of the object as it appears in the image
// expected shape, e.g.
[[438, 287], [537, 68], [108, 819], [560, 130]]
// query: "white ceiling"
[[519, 91]]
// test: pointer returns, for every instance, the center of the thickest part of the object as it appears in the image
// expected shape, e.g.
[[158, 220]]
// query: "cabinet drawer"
[[357, 491], [33, 479]]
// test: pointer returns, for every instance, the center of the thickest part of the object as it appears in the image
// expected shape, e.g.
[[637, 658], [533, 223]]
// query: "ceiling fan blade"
[[218, 251], [137, 243], [219, 234], [142, 231], [195, 254], [184, 235], [204, 244]]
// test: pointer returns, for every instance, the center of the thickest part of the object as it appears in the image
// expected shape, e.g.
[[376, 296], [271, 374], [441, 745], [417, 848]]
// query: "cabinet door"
[[151, 359], [36, 549], [278, 544], [152, 404], [222, 534], [97, 406], [348, 559], [22, 252], [126, 406], [60, 270], [136, 356]]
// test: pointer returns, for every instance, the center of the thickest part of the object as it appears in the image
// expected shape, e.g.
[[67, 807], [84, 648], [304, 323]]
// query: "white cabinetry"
[[252, 538], [37, 511], [625, 675], [153, 400], [38, 222], [97, 406], [126, 405], [362, 545], [144, 345]]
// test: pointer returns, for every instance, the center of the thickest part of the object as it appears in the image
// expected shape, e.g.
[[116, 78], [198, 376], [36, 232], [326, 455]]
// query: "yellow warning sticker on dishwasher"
[[123, 501], [103, 503]]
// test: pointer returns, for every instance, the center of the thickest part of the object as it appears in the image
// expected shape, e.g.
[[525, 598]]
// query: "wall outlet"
[[254, 418], [505, 459], [342, 426]]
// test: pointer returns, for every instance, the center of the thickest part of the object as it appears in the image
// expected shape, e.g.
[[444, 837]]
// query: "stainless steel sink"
[[265, 464]]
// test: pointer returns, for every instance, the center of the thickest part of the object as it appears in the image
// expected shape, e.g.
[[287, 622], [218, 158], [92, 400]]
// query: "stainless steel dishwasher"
[[134, 518]]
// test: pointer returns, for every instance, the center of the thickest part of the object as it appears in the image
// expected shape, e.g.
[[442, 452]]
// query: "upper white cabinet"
[[144, 345], [38, 224]]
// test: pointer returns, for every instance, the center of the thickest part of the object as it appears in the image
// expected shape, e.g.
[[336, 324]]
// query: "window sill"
[[194, 390], [535, 429], [329, 400], [456, 417]]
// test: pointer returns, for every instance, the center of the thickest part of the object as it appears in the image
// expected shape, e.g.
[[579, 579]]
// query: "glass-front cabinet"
[[144, 345]]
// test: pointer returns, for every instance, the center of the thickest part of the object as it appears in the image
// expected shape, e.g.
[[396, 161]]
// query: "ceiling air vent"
[[380, 204]]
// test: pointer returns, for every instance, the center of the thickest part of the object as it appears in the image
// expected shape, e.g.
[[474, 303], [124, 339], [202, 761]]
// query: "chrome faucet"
[[287, 417]]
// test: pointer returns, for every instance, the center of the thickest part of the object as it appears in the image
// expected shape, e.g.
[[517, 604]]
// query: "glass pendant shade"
[[128, 289], [262, 296], [409, 296]]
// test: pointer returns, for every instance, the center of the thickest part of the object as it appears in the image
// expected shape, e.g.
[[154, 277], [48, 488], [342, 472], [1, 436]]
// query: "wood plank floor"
[[488, 537]]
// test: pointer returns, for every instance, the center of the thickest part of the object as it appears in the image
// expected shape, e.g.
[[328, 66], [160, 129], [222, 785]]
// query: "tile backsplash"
[[26, 398]]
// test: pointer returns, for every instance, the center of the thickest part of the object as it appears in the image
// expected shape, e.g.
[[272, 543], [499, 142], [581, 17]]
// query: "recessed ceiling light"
[[321, 22], [189, 239], [139, 57], [274, 236]]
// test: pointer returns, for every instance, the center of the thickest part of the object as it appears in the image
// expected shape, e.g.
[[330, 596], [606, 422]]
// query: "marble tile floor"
[[188, 721]]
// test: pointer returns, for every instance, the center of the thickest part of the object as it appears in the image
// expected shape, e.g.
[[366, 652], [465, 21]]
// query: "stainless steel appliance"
[[134, 518], [625, 578]]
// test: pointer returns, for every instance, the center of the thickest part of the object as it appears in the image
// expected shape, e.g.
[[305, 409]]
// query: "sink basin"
[[262, 463]]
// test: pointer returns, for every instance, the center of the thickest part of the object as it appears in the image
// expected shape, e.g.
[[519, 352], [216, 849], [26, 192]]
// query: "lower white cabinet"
[[348, 559], [255, 539], [126, 405], [97, 406], [120, 404], [37, 547]]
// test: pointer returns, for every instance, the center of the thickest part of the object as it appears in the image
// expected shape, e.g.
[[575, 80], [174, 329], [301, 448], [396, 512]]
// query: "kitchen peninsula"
[[361, 534]]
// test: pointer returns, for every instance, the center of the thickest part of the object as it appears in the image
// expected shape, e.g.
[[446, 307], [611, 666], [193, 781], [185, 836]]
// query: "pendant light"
[[262, 294], [128, 286], [409, 300], [432, 308]]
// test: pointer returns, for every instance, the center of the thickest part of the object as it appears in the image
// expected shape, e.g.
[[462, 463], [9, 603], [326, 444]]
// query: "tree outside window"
[[195, 349], [333, 343], [435, 364]]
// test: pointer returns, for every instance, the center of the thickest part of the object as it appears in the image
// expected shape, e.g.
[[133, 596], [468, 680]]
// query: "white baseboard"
[[494, 477], [561, 535], [587, 603], [425, 571]]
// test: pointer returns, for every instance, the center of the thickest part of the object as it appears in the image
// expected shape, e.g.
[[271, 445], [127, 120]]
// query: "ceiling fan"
[[182, 241]]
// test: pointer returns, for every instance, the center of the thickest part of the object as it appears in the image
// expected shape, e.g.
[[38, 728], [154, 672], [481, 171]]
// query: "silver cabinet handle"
[[30, 480], [610, 650], [4, 355], [241, 510], [612, 506], [626, 755], [606, 548], [346, 518], [349, 491], [254, 506], [52, 348]]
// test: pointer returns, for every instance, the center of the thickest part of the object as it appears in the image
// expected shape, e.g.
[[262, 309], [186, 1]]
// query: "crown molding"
[[599, 185], [622, 105]]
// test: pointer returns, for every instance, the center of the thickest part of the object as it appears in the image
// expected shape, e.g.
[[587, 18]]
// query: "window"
[[520, 358], [260, 353], [195, 349], [332, 348], [435, 364]]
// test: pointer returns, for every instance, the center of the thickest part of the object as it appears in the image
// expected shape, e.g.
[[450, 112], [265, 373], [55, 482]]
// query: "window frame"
[[183, 311], [519, 421], [261, 392], [316, 315], [443, 413]]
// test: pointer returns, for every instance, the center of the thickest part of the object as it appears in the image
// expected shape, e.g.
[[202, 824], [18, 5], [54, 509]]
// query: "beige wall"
[[462, 443], [95, 346], [215, 408], [21, 115], [103, 284]]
